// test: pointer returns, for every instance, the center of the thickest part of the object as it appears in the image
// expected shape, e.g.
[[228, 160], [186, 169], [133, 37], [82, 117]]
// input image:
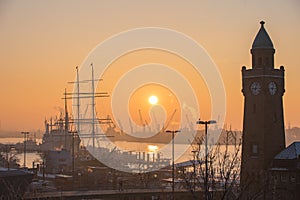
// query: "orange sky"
[[41, 42], [139, 98]]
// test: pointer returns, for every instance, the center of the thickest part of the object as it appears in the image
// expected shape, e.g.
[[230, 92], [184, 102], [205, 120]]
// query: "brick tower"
[[263, 125]]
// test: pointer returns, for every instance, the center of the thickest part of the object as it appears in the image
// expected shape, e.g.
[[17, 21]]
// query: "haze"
[[41, 43]]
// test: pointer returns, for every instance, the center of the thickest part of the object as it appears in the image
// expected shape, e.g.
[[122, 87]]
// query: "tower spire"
[[262, 50], [262, 39]]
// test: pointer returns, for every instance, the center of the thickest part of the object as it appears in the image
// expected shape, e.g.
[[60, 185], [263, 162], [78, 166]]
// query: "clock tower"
[[263, 125]]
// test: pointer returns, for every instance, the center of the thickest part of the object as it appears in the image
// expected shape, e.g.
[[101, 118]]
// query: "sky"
[[41, 43]]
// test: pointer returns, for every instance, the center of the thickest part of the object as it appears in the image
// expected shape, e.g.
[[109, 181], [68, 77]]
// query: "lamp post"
[[25, 141], [173, 183], [206, 167]]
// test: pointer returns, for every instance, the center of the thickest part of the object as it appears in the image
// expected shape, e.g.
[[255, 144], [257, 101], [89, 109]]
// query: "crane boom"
[[167, 124]]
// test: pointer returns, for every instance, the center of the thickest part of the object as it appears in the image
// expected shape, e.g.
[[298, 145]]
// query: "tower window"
[[254, 149], [284, 178], [259, 61], [266, 61], [292, 178]]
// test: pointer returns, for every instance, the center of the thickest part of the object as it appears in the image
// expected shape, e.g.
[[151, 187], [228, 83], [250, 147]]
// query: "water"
[[15, 140], [126, 146], [30, 156], [180, 150]]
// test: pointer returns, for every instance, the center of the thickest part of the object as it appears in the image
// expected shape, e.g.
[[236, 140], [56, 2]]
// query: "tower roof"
[[262, 39], [291, 152]]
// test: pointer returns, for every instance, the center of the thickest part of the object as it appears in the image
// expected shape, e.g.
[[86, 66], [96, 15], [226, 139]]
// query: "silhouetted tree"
[[223, 167]]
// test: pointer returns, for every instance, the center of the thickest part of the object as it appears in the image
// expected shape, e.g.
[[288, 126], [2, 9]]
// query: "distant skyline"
[[41, 43]]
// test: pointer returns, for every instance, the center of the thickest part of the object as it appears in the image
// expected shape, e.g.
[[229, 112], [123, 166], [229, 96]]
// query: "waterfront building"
[[284, 174]]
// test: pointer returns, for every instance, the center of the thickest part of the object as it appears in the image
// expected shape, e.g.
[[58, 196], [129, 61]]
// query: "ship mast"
[[78, 102], [66, 118], [93, 106], [90, 95]]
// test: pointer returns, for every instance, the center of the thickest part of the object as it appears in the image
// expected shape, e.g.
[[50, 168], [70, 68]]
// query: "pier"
[[136, 194]]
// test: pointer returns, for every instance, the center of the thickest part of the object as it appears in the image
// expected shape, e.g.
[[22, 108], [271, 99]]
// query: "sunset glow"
[[152, 148], [40, 51], [153, 100], [144, 106]]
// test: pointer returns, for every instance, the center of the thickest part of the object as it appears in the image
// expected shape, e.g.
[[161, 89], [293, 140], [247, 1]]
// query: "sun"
[[153, 100]]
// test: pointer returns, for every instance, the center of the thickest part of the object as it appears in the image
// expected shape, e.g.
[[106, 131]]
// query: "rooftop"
[[291, 152], [188, 163]]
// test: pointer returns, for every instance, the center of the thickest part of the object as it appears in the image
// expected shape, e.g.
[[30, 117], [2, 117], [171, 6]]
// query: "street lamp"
[[206, 167], [25, 141], [173, 183]]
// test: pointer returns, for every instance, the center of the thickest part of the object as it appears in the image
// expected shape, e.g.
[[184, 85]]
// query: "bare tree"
[[228, 162], [223, 167]]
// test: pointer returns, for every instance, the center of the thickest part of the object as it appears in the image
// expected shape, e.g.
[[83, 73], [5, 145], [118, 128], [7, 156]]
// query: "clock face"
[[255, 88], [272, 88]]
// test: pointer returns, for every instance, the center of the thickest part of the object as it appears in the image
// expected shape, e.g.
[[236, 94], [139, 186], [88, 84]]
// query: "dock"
[[135, 194]]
